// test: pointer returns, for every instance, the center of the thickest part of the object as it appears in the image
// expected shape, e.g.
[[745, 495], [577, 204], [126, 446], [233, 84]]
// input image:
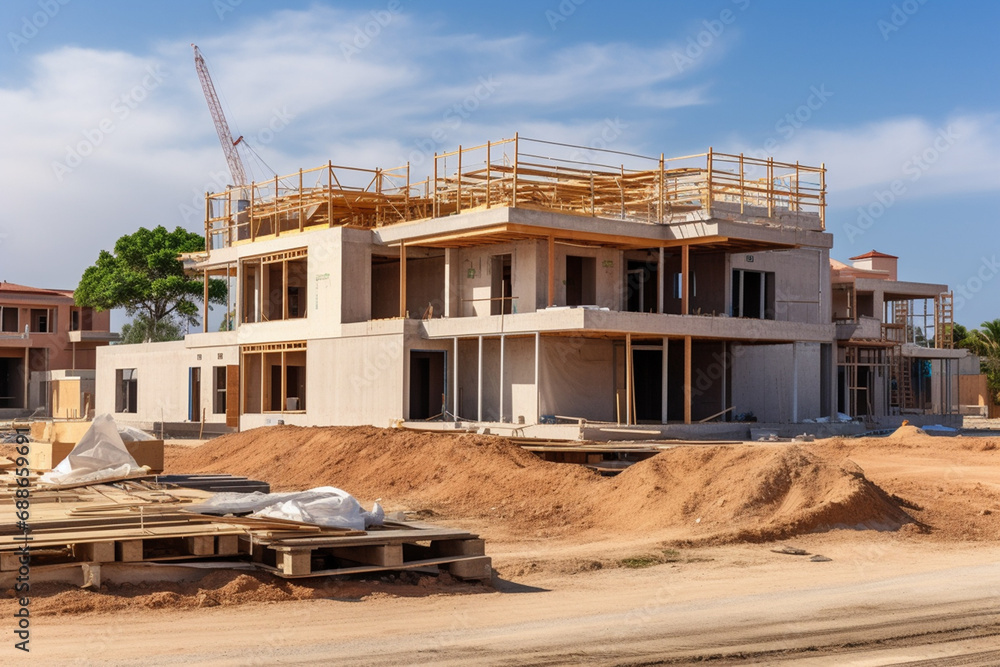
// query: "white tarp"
[[323, 506], [100, 454]]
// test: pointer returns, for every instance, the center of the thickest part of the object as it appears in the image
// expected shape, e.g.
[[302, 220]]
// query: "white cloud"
[[100, 142], [956, 155]]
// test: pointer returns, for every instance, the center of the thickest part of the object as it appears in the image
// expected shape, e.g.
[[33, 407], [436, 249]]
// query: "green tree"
[[143, 330], [145, 277], [985, 342]]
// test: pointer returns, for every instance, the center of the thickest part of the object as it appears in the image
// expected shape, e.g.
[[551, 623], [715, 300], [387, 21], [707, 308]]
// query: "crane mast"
[[221, 126]]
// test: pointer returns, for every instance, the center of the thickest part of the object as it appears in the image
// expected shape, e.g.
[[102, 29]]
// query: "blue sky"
[[899, 99]]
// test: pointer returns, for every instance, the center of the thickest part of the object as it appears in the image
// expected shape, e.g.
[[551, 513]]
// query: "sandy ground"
[[647, 593]]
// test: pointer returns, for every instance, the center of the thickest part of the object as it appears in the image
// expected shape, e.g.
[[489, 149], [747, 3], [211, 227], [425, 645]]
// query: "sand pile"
[[710, 493], [906, 432]]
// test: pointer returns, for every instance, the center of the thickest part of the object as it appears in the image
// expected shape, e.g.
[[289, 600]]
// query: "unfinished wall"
[[802, 288], [577, 378], [474, 277], [762, 381], [163, 380]]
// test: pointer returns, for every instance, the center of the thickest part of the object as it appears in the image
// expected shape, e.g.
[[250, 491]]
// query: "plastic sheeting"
[[322, 506], [99, 455]]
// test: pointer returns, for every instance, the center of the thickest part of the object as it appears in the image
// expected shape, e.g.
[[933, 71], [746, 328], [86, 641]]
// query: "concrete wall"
[[762, 381], [162, 384], [802, 281]]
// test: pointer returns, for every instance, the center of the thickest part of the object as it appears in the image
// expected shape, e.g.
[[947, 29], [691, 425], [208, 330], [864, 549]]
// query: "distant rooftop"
[[874, 254], [14, 288]]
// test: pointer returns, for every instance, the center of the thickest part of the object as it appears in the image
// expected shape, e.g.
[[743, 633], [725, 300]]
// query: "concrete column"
[[687, 379], [448, 279], [725, 347], [663, 378], [454, 383], [502, 340], [660, 269], [538, 394], [795, 382], [479, 393]]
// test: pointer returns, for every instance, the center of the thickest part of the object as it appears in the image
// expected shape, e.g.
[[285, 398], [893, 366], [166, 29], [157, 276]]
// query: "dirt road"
[[876, 602]]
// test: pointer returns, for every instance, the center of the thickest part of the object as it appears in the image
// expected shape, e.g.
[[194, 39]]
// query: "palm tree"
[[985, 342]]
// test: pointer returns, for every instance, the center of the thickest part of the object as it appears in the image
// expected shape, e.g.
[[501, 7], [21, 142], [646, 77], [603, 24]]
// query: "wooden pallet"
[[396, 546], [139, 522]]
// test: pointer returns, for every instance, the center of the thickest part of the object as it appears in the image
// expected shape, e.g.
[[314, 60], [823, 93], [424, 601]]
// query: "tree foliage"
[[143, 330], [145, 277], [985, 342]]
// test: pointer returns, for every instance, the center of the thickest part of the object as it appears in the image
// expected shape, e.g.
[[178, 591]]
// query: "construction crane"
[[221, 126]]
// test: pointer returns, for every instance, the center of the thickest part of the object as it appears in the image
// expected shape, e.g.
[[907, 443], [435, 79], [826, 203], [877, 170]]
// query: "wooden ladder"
[[944, 321]]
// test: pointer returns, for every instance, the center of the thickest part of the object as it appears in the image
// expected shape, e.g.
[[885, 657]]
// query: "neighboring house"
[[523, 282], [895, 347], [48, 351]]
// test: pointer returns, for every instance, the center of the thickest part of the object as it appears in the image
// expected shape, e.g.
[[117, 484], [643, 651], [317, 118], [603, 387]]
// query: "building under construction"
[[525, 282]]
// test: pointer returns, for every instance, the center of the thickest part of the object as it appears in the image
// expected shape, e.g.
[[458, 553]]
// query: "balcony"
[[524, 173]]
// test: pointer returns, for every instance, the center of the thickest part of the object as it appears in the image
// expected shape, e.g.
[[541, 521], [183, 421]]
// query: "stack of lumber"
[[137, 520]]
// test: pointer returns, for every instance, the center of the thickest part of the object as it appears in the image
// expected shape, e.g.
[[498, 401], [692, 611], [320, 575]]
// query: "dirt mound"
[[225, 588], [907, 432], [710, 493], [754, 493]]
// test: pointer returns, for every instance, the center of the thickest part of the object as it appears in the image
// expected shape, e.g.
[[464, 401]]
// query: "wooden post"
[[708, 203], [742, 179], [302, 220], [770, 186], [489, 168], [822, 196], [434, 192], [277, 218], [402, 279], [253, 229], [458, 187], [284, 384], [687, 379], [552, 270], [204, 319], [685, 270], [513, 202], [628, 379], [201, 429], [406, 195], [329, 193], [659, 212], [797, 207], [208, 216]]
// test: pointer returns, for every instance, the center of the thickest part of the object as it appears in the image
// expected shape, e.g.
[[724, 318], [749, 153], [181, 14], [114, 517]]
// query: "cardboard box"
[[47, 455]]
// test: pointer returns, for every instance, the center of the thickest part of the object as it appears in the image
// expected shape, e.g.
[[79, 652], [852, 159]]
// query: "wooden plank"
[[200, 545], [128, 551], [362, 569], [98, 552], [297, 562], [383, 555], [227, 545], [472, 568], [475, 547]]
